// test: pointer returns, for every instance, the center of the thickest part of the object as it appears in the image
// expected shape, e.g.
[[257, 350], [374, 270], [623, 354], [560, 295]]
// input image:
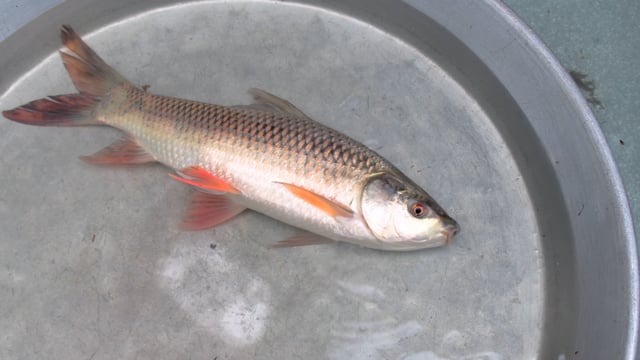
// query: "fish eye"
[[418, 210]]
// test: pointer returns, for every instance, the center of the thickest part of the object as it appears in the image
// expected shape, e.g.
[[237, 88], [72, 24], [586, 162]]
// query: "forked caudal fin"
[[92, 77], [89, 73], [61, 110]]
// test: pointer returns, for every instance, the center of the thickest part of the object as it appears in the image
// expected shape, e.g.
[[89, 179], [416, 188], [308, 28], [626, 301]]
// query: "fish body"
[[268, 156]]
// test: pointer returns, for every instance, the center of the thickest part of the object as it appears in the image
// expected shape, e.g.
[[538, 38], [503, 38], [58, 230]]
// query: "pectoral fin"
[[331, 208], [207, 210], [125, 151], [302, 239], [201, 178]]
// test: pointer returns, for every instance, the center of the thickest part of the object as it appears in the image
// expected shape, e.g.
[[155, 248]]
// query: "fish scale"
[[247, 132]]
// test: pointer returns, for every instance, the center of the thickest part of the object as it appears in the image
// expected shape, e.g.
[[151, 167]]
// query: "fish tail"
[[60, 110], [91, 76], [89, 73]]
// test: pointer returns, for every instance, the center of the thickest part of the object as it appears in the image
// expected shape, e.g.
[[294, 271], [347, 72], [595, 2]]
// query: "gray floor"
[[600, 39]]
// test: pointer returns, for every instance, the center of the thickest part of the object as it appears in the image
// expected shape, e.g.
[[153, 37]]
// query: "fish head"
[[402, 216]]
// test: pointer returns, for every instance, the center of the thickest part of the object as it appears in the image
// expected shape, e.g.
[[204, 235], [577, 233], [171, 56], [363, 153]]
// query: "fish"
[[268, 156]]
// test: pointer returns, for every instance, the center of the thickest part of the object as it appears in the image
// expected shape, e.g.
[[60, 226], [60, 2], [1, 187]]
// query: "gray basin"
[[460, 95]]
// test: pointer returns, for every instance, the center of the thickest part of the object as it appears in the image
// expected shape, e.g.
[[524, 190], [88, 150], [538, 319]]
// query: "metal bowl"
[[460, 95]]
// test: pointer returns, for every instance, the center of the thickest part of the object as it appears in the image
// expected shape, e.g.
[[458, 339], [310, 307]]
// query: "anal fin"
[[125, 151], [207, 210]]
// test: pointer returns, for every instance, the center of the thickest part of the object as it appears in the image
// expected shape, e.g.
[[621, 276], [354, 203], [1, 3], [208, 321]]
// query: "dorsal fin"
[[264, 100]]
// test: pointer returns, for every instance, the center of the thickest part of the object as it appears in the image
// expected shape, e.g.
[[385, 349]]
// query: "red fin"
[[330, 207], [91, 76], [302, 239], [89, 73], [202, 179], [61, 110], [122, 152], [207, 210]]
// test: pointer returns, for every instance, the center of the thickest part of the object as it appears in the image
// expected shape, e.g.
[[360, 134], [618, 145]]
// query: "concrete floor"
[[600, 39]]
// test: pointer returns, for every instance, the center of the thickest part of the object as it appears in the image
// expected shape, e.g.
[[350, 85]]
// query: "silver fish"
[[268, 156]]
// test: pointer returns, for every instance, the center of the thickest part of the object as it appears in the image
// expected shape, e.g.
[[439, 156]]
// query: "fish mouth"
[[449, 229]]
